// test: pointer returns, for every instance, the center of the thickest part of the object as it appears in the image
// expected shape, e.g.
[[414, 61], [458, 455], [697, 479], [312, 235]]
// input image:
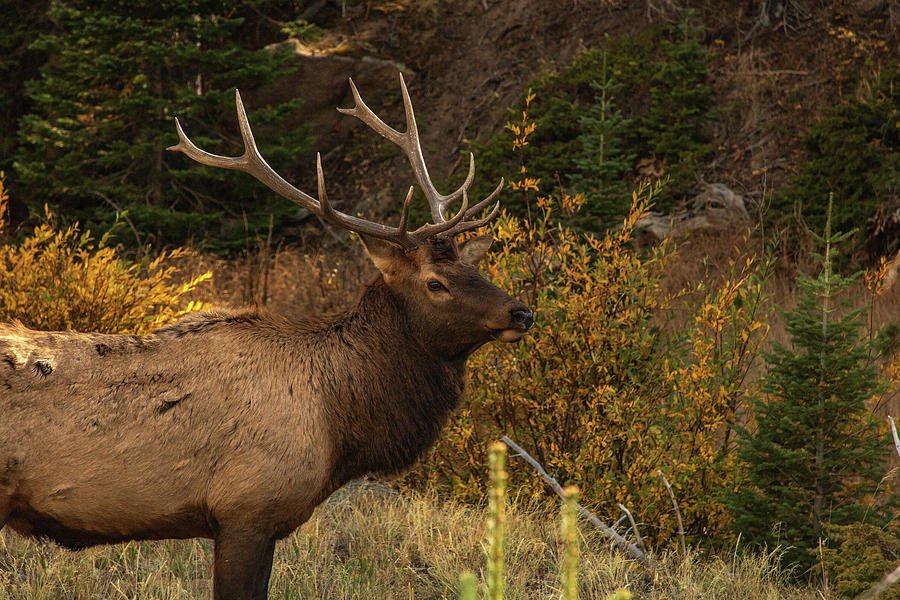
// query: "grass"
[[382, 545]]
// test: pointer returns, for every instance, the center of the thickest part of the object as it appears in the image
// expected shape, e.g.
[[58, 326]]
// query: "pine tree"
[[103, 107], [817, 454], [679, 103], [22, 23], [603, 162]]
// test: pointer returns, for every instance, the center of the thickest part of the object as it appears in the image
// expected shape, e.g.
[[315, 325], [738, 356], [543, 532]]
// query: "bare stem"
[[677, 512], [637, 534], [894, 433], [617, 539]]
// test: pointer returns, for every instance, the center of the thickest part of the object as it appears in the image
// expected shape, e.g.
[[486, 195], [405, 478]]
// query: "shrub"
[[606, 391], [857, 556], [63, 279]]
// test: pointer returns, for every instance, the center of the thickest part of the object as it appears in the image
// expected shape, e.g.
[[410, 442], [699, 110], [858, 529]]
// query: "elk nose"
[[523, 317]]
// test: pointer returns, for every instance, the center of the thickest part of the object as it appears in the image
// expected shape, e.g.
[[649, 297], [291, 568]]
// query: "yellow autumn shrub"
[[617, 381], [58, 279]]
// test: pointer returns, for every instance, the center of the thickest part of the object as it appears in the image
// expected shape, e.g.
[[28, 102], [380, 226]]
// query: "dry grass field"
[[378, 544]]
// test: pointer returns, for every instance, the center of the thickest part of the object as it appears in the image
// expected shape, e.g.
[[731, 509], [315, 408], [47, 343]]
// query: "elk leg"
[[242, 564], [4, 510], [5, 503]]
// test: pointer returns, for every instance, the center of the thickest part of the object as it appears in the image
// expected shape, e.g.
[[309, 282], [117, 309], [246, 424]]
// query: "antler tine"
[[434, 229], [365, 114], [398, 235], [404, 216], [437, 201], [470, 225], [486, 202], [252, 162], [408, 141]]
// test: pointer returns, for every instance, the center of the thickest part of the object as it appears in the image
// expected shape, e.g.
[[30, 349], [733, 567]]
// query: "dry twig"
[[677, 512], [617, 539], [637, 534]]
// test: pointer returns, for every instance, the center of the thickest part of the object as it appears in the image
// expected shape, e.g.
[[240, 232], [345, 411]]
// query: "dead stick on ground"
[[886, 582], [617, 539], [637, 534], [677, 512]]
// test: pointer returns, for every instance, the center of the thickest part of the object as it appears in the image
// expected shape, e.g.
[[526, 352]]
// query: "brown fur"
[[235, 425]]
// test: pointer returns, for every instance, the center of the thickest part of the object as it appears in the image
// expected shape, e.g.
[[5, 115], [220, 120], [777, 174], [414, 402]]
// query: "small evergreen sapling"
[[817, 454], [603, 163]]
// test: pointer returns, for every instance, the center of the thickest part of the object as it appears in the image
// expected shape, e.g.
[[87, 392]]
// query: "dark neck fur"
[[393, 395]]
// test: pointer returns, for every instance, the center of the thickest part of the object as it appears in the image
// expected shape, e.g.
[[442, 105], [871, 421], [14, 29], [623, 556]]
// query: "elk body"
[[235, 425]]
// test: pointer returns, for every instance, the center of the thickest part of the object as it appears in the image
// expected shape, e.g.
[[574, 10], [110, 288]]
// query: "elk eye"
[[435, 286]]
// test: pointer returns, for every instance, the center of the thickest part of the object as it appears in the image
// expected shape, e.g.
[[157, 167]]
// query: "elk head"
[[453, 308]]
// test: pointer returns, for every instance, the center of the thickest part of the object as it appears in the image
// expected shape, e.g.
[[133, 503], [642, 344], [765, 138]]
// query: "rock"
[[716, 208]]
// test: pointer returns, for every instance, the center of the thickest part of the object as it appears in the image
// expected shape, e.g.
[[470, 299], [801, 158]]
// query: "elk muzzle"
[[520, 321]]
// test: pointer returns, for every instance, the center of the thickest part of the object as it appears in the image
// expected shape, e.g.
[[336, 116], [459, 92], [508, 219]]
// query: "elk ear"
[[473, 249], [388, 258]]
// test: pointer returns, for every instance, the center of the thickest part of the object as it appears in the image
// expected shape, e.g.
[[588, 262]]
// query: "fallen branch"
[[677, 512], [637, 534], [617, 539]]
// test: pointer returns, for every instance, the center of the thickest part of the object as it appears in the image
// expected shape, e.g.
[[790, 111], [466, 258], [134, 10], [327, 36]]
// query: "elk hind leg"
[[242, 563]]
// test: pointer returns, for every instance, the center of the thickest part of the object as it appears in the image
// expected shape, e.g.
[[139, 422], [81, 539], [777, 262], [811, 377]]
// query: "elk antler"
[[252, 162]]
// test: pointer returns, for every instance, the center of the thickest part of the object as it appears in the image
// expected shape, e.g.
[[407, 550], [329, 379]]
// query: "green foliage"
[[303, 30], [59, 279], [679, 102], [817, 453], [103, 107], [857, 556], [589, 112], [853, 153], [22, 22], [603, 163]]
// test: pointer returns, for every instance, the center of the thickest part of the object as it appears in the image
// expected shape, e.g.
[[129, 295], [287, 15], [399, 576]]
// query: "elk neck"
[[395, 389]]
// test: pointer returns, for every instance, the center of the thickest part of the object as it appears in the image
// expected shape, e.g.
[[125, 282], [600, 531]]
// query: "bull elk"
[[235, 425]]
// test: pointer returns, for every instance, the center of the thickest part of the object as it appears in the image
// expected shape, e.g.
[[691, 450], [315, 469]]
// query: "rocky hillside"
[[774, 67]]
